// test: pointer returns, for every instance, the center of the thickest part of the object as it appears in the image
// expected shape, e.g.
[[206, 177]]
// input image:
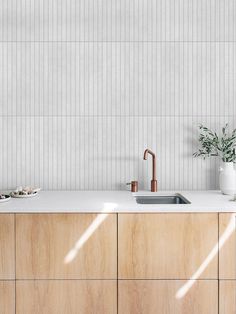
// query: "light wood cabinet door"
[[227, 246], [66, 297], [167, 246], [7, 246], [160, 297], [227, 296], [7, 297], [66, 246]]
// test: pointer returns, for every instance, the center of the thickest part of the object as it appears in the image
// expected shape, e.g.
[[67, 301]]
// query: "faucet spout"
[[154, 180]]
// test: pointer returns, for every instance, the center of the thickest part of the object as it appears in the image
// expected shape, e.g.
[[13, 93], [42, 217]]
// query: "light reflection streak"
[[224, 237], [101, 217]]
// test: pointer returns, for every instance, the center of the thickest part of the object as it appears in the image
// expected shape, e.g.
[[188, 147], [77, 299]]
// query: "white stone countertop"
[[116, 201]]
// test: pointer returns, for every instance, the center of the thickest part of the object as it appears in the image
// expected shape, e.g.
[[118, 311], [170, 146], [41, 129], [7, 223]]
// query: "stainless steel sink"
[[161, 199]]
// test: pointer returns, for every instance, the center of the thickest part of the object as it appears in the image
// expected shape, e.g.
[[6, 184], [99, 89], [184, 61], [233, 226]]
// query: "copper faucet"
[[154, 180]]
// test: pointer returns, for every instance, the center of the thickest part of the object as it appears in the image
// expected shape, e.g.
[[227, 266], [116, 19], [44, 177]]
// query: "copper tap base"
[[134, 186], [154, 186]]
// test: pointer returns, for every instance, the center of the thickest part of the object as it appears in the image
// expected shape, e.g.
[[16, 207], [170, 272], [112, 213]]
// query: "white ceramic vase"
[[227, 178]]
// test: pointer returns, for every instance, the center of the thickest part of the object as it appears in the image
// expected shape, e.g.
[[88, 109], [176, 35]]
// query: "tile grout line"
[[117, 116], [118, 42]]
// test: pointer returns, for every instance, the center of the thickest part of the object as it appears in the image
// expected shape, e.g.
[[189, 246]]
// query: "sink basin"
[[161, 199]]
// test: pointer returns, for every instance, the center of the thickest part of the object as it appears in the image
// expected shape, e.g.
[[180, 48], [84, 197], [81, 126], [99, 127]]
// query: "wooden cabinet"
[[227, 263], [149, 257], [66, 246], [227, 243], [159, 297], [7, 246], [166, 246], [227, 295], [7, 297], [66, 297]]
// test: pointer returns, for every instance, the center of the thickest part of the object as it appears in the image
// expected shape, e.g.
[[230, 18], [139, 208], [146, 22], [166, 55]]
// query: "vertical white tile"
[[86, 86]]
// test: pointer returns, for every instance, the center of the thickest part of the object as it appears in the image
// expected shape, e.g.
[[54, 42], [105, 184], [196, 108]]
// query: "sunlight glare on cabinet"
[[107, 209], [225, 236]]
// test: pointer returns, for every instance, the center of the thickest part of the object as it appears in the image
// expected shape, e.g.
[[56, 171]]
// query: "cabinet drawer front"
[[66, 297], [159, 297], [7, 297], [7, 246], [227, 297], [66, 246], [227, 241], [167, 246]]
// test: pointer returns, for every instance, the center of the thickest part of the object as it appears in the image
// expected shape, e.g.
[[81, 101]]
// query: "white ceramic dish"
[[24, 196], [3, 200]]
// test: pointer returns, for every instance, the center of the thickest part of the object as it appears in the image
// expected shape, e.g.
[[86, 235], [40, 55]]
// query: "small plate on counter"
[[4, 198], [23, 195], [26, 192]]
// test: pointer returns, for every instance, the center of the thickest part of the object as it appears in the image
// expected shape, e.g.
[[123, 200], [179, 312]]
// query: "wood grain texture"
[[227, 297], [7, 297], [7, 246], [158, 297], [166, 246], [66, 246], [66, 297], [227, 253]]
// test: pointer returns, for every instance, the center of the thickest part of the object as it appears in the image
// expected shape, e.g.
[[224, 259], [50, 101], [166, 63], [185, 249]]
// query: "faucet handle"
[[134, 186]]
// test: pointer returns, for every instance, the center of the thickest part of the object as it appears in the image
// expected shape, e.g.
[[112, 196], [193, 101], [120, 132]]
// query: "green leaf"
[[212, 144]]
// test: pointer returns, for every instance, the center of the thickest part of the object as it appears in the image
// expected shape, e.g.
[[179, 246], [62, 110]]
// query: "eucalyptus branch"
[[211, 144]]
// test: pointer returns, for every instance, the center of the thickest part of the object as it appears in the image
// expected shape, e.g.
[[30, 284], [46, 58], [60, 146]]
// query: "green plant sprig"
[[212, 144]]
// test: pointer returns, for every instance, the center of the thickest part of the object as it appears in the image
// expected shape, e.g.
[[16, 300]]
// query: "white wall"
[[87, 85]]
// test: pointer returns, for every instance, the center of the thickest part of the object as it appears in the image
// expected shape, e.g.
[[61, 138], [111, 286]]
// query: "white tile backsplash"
[[113, 79], [103, 152], [86, 86], [117, 20]]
